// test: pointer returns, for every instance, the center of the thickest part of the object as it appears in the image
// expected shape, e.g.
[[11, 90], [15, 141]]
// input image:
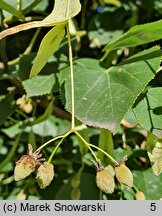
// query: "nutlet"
[[124, 175], [45, 174], [24, 167]]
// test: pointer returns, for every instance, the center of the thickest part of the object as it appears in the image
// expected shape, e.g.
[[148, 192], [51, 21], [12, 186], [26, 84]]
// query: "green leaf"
[[151, 140], [7, 107], [45, 115], [111, 29], [29, 6], [48, 46], [149, 184], [106, 144], [148, 111], [39, 85], [86, 178], [52, 126], [103, 97], [12, 10], [13, 130], [10, 154], [137, 35]]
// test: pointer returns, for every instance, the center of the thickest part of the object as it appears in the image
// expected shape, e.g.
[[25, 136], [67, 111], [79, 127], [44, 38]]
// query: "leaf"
[[137, 35], [86, 178], [10, 154], [7, 107], [52, 126], [13, 130], [103, 97], [63, 11], [12, 10], [45, 115], [48, 46], [36, 3], [151, 140], [148, 111], [39, 85], [111, 29], [149, 184], [106, 144]]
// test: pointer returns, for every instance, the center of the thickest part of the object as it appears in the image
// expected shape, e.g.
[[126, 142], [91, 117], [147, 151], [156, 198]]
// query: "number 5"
[[153, 207]]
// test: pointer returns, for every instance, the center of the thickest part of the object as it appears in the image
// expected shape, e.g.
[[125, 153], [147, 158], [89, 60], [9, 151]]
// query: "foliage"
[[99, 63]]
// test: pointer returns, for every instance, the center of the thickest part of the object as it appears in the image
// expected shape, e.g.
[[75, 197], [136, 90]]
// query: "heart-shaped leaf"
[[39, 85], [148, 111], [103, 97]]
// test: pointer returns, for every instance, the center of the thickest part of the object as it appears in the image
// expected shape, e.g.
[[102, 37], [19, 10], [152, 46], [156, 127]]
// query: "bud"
[[25, 104], [105, 181], [21, 195], [45, 174], [124, 175], [140, 195], [75, 194], [21, 101], [24, 167], [75, 182], [27, 107]]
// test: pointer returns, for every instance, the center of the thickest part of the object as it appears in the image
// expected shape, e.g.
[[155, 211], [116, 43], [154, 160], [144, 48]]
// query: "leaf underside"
[[63, 11]]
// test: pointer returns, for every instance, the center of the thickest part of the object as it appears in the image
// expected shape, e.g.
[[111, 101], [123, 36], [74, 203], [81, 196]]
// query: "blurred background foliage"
[[37, 119]]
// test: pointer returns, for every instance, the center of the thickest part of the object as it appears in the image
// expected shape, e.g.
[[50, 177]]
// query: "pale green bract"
[[63, 11], [48, 46], [156, 158]]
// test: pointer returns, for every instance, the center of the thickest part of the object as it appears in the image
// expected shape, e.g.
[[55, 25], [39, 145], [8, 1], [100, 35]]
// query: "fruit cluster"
[[105, 176]]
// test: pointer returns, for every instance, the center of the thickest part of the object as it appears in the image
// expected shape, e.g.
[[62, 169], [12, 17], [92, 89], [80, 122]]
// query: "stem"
[[106, 143], [22, 114], [111, 158], [83, 20], [48, 142], [135, 188], [72, 79], [87, 144], [11, 153], [55, 149], [19, 5], [52, 140]]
